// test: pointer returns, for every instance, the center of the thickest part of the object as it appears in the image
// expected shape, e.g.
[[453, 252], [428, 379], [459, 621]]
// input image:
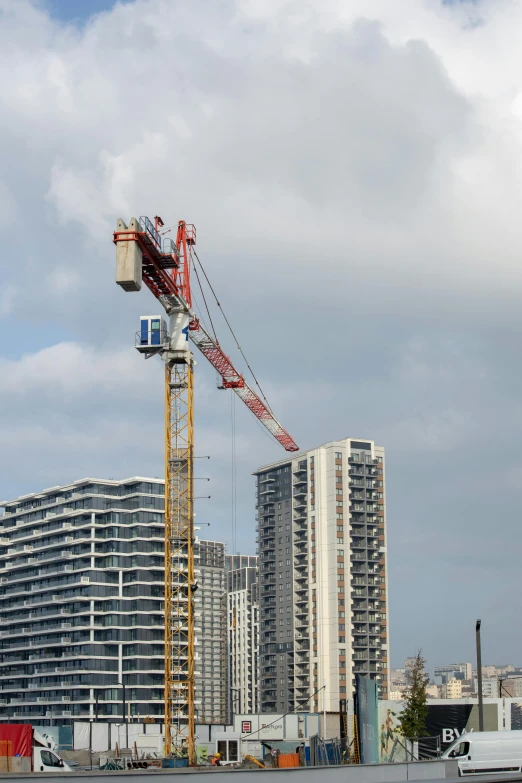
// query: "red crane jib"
[[167, 274]]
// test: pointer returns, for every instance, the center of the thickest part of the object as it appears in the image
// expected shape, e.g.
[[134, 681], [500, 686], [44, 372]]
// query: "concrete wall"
[[379, 773]]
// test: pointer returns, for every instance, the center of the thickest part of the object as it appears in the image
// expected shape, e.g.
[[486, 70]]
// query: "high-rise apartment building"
[[81, 604], [323, 575], [243, 633], [81, 601], [211, 687]]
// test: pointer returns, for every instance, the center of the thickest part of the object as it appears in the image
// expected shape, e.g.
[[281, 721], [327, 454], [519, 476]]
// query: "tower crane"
[[144, 255]]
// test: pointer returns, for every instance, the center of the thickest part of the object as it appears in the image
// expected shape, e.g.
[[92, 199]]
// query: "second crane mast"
[[142, 255]]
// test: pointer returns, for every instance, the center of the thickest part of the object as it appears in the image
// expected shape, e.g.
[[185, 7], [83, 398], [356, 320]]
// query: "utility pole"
[[124, 713], [324, 710], [479, 677]]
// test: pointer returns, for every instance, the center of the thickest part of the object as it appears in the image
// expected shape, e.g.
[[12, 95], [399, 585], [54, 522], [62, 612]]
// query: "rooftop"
[[302, 454], [80, 482]]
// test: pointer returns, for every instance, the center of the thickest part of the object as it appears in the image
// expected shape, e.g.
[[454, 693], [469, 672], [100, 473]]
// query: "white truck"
[[487, 753], [24, 749]]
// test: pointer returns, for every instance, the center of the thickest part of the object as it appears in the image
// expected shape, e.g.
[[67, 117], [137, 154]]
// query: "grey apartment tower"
[[81, 605], [323, 575]]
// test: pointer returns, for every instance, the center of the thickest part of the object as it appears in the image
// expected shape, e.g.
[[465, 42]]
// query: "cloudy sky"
[[354, 170]]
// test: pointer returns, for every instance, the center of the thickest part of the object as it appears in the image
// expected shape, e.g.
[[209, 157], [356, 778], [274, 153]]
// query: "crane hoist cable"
[[205, 301], [233, 471], [231, 330]]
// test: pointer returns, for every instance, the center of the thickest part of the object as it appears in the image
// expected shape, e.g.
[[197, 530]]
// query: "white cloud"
[[353, 170]]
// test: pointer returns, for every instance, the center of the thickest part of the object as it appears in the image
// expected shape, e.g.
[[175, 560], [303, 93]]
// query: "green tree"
[[415, 711]]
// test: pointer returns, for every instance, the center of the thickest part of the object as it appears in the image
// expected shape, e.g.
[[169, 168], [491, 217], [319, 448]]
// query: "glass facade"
[[81, 603]]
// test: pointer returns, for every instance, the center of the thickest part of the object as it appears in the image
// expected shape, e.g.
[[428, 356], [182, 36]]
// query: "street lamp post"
[[479, 677], [236, 697]]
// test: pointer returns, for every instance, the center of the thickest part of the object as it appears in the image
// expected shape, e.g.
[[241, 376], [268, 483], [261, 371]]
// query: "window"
[[280, 528], [342, 640], [338, 490], [340, 529], [339, 516], [340, 540], [281, 610], [340, 552], [228, 749], [49, 759], [279, 518], [342, 651], [338, 455], [289, 562], [462, 749]]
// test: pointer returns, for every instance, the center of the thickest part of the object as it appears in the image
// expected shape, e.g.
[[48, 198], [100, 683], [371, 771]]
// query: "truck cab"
[[487, 753], [45, 760]]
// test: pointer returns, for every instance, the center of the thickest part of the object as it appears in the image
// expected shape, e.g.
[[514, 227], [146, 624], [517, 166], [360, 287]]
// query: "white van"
[[487, 753]]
